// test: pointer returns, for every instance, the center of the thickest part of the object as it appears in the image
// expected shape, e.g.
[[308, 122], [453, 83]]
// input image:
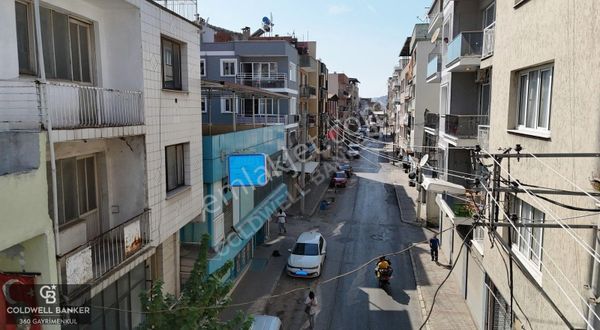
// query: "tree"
[[202, 299]]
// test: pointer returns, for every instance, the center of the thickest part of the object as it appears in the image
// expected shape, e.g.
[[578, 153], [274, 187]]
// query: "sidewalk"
[[315, 193], [451, 310]]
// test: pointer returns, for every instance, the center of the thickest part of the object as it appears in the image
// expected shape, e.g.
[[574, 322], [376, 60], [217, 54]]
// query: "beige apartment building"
[[530, 66]]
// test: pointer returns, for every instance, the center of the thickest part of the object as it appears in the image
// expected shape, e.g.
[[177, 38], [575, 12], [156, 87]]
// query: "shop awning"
[[441, 186], [309, 167]]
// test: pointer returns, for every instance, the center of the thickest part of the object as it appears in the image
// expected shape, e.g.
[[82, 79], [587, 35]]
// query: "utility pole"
[[303, 134]]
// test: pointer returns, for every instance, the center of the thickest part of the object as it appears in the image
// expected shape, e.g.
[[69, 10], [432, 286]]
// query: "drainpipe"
[[42, 80], [594, 284]]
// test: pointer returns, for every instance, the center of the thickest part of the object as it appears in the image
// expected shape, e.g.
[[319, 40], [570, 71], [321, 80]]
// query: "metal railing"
[[483, 136], [434, 66], [464, 126], [73, 106], [103, 253], [489, 36], [307, 91], [273, 80], [432, 120], [465, 44]]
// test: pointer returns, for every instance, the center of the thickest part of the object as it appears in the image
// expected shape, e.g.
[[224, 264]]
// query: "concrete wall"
[[172, 117], [557, 32], [24, 205], [425, 93]]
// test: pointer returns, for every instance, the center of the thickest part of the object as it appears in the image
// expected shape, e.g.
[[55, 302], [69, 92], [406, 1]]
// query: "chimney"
[[245, 33]]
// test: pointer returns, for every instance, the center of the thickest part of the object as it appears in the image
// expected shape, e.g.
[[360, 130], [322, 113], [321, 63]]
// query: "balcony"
[[489, 36], [434, 68], [307, 91], [432, 120], [464, 126], [311, 120], [72, 106], [308, 63], [261, 119], [97, 257], [464, 52], [483, 136], [275, 80]]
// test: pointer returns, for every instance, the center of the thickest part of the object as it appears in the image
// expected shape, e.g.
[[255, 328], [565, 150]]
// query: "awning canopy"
[[441, 186], [309, 167]]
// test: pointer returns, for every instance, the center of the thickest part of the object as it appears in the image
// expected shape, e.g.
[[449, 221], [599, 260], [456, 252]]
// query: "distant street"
[[363, 223]]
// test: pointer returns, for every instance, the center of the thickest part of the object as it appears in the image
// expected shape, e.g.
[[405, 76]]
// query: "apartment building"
[[339, 85], [250, 95], [541, 85], [116, 88], [309, 85]]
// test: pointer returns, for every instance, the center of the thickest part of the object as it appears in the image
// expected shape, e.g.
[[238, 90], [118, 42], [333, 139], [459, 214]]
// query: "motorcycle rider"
[[383, 266]]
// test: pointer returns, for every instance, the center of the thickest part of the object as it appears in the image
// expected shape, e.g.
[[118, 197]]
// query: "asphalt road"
[[363, 224]]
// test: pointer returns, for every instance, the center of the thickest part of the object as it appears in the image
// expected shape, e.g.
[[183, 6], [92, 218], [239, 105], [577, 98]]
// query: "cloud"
[[338, 9]]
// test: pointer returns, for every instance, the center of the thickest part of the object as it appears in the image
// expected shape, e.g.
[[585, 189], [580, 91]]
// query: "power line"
[[565, 226], [445, 279], [546, 267]]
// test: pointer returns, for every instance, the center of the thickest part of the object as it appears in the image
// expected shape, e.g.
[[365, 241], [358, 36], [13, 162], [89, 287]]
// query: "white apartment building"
[[122, 96]]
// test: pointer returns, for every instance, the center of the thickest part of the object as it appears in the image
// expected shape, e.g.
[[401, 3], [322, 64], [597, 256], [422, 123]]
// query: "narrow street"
[[363, 223]]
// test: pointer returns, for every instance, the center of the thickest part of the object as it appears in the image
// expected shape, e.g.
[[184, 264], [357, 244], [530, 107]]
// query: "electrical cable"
[[570, 207], [565, 226], [462, 247], [360, 267], [546, 267]]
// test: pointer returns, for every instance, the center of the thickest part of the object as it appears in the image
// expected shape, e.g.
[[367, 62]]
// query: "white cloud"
[[338, 9]]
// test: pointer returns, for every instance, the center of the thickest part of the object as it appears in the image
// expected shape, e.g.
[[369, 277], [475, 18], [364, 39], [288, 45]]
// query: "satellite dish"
[[435, 35], [424, 160], [266, 22]]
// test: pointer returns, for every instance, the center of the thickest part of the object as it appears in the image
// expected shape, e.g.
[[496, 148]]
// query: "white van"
[[266, 322]]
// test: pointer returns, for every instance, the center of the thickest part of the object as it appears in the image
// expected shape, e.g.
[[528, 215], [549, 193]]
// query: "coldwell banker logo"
[[32, 306]]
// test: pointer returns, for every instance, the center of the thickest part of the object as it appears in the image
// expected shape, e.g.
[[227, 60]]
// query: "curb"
[[421, 299]]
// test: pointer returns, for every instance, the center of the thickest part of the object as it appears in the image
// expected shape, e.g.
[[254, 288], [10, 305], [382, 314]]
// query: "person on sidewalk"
[[311, 308], [434, 244], [281, 219]]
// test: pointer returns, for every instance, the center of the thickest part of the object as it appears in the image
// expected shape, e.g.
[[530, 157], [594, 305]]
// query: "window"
[[528, 240], [535, 93], [293, 110], [292, 72], [260, 69], [203, 67], [203, 104], [66, 44], [171, 63], [228, 67], [228, 105], [266, 107], [76, 188], [489, 15], [25, 46], [175, 163]]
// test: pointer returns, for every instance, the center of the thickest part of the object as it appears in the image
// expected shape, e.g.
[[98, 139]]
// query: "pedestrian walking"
[[281, 219], [434, 244], [311, 308]]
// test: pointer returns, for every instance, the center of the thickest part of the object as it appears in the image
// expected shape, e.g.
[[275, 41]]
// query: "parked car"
[[347, 168], [339, 179], [353, 151], [265, 322], [308, 255]]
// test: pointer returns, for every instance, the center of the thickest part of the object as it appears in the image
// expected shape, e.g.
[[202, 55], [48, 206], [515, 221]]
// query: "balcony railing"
[[275, 80], [464, 126], [432, 120], [465, 44], [307, 62], [72, 106], [489, 36], [307, 91], [103, 253], [434, 66], [483, 136]]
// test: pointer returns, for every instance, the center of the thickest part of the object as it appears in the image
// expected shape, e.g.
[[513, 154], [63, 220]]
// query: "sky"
[[358, 37]]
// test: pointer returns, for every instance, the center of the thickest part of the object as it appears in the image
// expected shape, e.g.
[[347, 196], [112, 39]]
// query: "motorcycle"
[[383, 277]]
